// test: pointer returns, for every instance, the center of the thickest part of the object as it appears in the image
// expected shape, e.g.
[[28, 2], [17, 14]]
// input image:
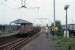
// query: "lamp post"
[[66, 9]]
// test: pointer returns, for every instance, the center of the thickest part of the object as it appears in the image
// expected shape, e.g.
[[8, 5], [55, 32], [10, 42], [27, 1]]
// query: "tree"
[[58, 26]]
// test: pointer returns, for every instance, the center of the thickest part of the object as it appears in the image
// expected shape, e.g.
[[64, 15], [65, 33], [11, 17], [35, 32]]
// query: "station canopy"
[[20, 21]]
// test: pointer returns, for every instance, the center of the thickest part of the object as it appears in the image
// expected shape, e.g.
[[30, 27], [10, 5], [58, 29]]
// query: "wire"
[[5, 0]]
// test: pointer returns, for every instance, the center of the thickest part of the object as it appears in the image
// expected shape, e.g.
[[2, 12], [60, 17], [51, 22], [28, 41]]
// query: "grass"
[[65, 43]]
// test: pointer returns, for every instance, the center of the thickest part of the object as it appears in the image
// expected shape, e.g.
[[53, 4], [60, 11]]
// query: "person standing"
[[47, 32]]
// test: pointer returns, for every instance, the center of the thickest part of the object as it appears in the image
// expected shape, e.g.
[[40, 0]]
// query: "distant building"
[[71, 28], [24, 25]]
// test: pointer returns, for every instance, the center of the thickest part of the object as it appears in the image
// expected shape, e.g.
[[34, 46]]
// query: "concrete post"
[[66, 34]]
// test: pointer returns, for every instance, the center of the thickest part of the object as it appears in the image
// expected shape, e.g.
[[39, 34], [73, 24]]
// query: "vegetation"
[[59, 26], [66, 43], [57, 23], [63, 43]]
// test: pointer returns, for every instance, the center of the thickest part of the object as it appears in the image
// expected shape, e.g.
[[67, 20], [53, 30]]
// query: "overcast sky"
[[38, 11]]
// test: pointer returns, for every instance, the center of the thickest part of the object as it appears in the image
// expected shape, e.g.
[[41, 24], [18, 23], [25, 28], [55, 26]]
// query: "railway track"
[[17, 44], [14, 45]]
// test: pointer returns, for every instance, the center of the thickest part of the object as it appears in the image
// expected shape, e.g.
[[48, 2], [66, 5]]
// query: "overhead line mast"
[[54, 11], [23, 3]]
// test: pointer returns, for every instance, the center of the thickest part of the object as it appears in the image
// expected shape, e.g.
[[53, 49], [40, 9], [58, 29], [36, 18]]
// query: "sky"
[[37, 11]]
